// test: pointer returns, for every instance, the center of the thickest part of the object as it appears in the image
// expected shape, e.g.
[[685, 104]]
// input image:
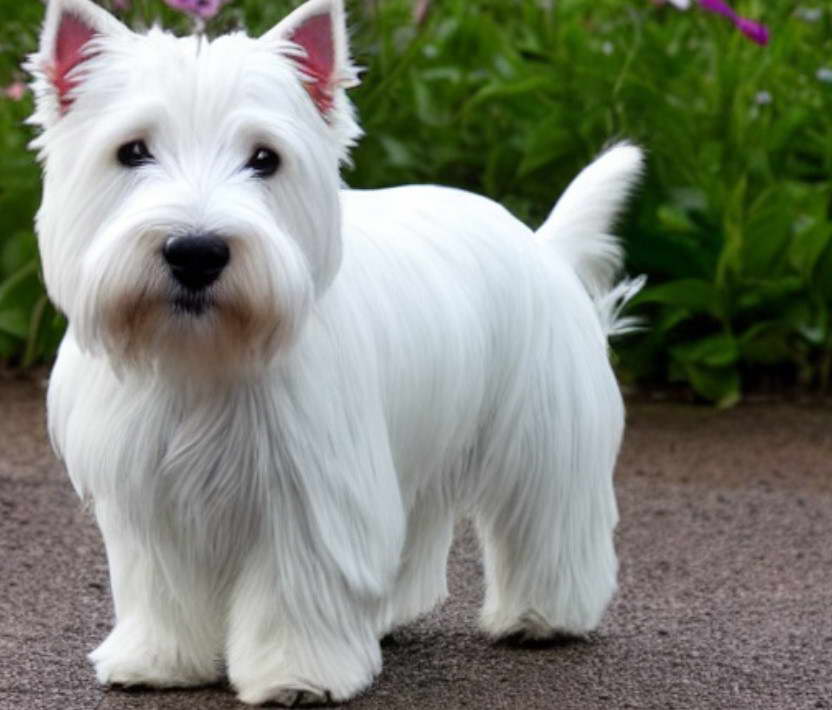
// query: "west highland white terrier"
[[279, 395]]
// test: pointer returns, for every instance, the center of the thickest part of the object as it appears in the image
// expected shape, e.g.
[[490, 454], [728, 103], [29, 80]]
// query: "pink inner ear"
[[73, 34], [315, 36]]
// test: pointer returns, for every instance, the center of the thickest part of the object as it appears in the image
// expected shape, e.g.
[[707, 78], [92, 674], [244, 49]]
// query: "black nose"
[[196, 260]]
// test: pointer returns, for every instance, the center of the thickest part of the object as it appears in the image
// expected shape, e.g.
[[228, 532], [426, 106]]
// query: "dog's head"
[[190, 208]]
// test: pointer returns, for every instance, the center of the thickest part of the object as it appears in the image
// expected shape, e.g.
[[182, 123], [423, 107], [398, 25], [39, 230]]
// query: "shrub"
[[511, 99]]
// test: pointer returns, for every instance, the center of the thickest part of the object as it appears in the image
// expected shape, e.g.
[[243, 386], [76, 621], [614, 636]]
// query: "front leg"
[[307, 607], [164, 636], [306, 610], [297, 634]]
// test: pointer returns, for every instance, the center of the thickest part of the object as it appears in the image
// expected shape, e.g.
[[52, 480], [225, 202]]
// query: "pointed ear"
[[68, 28], [319, 29]]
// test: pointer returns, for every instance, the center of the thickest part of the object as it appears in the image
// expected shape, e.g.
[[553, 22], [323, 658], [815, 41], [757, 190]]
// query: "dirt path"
[[725, 600]]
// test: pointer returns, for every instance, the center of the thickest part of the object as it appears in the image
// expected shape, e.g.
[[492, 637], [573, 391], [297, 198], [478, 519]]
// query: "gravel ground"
[[725, 601]]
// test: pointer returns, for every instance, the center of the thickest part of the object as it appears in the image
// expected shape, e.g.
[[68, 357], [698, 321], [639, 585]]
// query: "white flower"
[[809, 14]]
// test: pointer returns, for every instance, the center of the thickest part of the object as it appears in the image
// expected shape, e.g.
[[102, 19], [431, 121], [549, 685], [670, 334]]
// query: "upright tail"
[[579, 228]]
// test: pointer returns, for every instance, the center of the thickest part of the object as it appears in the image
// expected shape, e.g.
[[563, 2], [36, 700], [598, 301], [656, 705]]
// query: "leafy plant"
[[512, 99]]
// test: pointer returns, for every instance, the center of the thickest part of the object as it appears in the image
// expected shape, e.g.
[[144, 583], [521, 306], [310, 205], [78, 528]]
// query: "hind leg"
[[547, 535], [542, 582]]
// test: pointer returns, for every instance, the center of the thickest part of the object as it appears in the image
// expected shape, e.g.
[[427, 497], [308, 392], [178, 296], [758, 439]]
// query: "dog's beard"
[[133, 310], [194, 332]]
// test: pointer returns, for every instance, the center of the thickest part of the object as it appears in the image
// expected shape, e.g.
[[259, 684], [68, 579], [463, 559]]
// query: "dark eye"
[[134, 154], [264, 162]]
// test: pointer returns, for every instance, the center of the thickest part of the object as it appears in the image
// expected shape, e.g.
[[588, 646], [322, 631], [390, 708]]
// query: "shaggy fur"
[[277, 476]]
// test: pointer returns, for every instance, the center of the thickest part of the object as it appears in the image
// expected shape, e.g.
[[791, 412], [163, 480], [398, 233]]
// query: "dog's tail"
[[579, 228]]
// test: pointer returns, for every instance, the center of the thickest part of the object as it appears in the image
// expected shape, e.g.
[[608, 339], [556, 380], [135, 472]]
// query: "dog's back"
[[490, 347]]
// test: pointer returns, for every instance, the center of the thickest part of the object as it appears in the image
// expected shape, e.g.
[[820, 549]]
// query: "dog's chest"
[[181, 464]]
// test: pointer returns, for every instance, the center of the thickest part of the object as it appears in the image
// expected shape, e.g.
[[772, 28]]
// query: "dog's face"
[[190, 209]]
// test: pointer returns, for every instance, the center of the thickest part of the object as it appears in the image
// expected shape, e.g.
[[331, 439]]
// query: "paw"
[[291, 691], [296, 679], [531, 626], [287, 697], [531, 629], [124, 660]]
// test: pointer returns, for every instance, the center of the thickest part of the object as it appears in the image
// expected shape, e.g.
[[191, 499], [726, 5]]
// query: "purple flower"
[[203, 9], [753, 30]]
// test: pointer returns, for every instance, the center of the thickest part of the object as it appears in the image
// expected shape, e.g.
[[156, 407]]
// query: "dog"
[[279, 395]]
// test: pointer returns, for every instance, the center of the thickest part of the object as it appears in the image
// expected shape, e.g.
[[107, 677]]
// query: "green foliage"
[[29, 328], [511, 99]]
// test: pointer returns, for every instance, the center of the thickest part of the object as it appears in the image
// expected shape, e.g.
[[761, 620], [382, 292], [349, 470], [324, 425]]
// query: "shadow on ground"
[[725, 602]]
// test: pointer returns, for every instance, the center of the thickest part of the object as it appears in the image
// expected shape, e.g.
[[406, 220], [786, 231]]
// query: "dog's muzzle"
[[196, 260]]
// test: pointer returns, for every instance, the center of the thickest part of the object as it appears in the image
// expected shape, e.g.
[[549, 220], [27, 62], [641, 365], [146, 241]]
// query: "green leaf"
[[713, 351], [17, 251], [30, 352], [696, 295], [811, 238], [16, 284], [674, 219], [397, 152], [766, 343], [719, 385], [14, 321], [768, 229], [499, 90], [547, 142], [770, 293]]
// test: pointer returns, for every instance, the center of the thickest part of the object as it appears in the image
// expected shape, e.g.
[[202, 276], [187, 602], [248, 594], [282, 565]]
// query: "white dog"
[[280, 395]]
